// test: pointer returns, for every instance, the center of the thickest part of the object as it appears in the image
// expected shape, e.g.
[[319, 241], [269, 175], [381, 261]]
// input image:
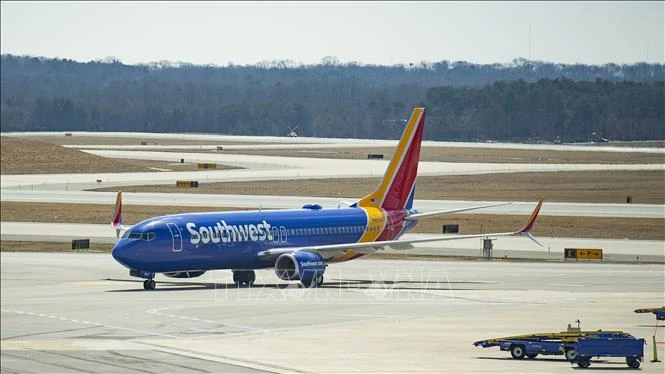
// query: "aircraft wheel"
[[146, 286], [152, 284], [571, 355], [319, 280], [244, 277]]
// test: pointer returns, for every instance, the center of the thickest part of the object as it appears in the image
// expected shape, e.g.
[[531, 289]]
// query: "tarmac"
[[67, 312]]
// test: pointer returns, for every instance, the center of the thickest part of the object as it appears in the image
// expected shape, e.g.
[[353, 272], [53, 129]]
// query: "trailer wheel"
[[633, 362], [532, 355], [571, 355], [517, 351], [584, 363]]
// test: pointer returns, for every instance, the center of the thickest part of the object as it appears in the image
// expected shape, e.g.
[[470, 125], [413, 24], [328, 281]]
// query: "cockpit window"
[[147, 236]]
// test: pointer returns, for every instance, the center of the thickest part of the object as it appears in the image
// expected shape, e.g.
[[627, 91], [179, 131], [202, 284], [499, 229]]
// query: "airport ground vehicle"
[[624, 345], [555, 343]]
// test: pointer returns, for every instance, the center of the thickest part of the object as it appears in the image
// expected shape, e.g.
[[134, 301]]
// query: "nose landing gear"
[[149, 284]]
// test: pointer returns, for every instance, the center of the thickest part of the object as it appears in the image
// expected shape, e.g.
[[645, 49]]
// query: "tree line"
[[521, 101]]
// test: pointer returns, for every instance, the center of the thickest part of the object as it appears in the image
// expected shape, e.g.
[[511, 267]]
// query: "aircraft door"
[[283, 234], [176, 235]]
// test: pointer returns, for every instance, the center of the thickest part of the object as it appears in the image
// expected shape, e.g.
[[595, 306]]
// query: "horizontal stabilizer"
[[417, 216], [402, 247]]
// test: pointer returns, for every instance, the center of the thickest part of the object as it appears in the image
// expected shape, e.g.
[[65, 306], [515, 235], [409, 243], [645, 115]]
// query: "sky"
[[384, 33]]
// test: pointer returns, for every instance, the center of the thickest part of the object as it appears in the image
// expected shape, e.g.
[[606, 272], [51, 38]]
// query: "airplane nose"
[[121, 254]]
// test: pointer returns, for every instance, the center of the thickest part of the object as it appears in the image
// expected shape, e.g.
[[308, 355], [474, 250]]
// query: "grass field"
[[644, 187], [20, 156], [18, 246], [480, 155]]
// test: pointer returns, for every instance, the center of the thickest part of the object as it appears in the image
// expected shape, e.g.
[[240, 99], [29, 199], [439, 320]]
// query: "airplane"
[[298, 243], [659, 312]]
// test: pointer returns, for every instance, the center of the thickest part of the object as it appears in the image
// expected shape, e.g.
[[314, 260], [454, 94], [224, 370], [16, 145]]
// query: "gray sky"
[[367, 32]]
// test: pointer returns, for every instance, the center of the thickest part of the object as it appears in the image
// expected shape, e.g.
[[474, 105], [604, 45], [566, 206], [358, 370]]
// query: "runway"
[[66, 311], [309, 142]]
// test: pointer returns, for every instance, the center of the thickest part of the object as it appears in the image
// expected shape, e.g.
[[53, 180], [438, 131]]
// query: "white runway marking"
[[158, 312], [50, 316]]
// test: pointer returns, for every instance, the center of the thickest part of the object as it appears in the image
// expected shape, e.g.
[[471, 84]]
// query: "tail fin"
[[395, 191], [116, 221]]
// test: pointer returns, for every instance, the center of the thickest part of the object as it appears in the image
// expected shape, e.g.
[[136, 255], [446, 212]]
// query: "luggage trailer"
[[625, 345], [555, 343]]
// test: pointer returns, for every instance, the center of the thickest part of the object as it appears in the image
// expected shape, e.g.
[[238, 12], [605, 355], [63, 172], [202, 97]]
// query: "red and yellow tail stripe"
[[394, 190], [397, 183]]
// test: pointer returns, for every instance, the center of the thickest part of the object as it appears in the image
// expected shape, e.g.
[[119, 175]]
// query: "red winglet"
[[532, 220]]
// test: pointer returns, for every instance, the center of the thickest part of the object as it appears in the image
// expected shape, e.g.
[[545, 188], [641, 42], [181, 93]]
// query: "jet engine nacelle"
[[185, 274], [302, 266]]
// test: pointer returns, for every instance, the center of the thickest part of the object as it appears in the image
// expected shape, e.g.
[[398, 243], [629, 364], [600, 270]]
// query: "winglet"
[[526, 230], [116, 221]]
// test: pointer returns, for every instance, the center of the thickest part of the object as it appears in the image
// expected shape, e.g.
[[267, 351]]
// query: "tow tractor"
[[554, 343]]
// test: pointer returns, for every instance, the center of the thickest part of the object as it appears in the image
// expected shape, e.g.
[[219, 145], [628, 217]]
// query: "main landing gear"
[[314, 282], [149, 284], [244, 277]]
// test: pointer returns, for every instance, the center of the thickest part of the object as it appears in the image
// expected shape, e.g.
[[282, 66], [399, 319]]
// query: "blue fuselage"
[[231, 240]]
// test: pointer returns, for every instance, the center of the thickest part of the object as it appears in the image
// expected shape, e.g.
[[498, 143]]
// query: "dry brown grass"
[[118, 140], [21, 156], [645, 187], [480, 155], [17, 246], [595, 227], [89, 213]]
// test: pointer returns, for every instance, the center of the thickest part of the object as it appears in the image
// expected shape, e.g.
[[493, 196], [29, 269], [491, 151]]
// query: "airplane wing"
[[415, 217], [333, 250]]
